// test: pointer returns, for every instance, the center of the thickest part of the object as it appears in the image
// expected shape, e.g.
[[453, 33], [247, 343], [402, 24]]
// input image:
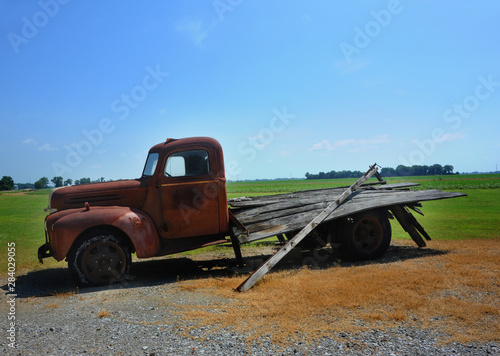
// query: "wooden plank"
[[257, 215], [270, 224], [405, 219], [271, 262], [366, 199], [289, 207], [246, 202]]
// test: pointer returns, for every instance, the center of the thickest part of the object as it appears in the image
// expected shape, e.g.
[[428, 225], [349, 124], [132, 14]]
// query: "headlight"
[[48, 209]]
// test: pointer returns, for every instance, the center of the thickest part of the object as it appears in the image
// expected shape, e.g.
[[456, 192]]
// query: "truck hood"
[[131, 193]]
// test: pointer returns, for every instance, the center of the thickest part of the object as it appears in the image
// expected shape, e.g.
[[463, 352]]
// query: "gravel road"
[[141, 317]]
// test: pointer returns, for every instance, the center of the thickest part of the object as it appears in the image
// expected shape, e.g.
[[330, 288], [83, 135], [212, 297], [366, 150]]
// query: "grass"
[[22, 221], [455, 293], [478, 181], [103, 314], [475, 216]]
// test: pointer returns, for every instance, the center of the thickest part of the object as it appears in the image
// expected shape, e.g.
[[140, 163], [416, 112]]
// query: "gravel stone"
[[144, 319]]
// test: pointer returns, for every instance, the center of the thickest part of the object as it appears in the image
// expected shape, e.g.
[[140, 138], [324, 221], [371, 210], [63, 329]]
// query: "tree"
[[58, 181], [83, 181], [419, 170], [6, 183], [403, 170], [25, 186], [435, 170], [448, 169], [42, 183], [68, 181], [388, 172]]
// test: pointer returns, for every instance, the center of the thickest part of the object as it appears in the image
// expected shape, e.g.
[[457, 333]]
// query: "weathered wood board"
[[271, 262], [267, 216]]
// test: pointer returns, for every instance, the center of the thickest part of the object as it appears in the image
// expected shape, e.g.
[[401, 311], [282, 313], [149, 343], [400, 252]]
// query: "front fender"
[[64, 227]]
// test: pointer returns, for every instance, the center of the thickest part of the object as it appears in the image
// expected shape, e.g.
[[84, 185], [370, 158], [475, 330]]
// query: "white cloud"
[[193, 29], [306, 18], [346, 68], [450, 137], [28, 141], [47, 147], [258, 141], [374, 83], [355, 145]]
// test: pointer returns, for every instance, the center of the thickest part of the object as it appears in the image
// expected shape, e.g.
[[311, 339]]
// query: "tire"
[[366, 236], [99, 258], [317, 238]]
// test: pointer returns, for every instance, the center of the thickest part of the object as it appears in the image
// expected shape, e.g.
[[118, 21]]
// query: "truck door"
[[189, 193]]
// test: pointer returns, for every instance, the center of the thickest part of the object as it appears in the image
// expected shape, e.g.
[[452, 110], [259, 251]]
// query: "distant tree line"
[[434, 170], [7, 183], [399, 171], [59, 182], [88, 181], [334, 174]]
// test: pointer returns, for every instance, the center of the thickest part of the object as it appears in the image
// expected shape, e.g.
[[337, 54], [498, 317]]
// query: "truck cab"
[[178, 204]]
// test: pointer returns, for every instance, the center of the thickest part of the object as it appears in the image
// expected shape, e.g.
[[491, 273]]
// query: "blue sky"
[[287, 87]]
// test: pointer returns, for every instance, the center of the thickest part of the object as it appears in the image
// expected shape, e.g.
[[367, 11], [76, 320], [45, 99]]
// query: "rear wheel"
[[366, 235], [100, 258]]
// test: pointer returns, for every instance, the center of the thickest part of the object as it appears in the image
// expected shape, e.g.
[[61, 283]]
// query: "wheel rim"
[[368, 234], [103, 262]]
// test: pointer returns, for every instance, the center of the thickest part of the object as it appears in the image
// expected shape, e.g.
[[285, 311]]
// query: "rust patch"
[[136, 222]]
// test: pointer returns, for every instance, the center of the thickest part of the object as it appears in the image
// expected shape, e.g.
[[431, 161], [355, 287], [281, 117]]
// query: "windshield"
[[151, 163]]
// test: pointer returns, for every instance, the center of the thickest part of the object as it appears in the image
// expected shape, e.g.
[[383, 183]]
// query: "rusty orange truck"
[[180, 203]]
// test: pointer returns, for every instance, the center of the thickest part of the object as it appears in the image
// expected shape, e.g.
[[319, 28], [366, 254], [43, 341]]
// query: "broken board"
[[266, 216]]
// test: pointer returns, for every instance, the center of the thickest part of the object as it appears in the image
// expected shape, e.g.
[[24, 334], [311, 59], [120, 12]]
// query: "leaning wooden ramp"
[[260, 217], [271, 262]]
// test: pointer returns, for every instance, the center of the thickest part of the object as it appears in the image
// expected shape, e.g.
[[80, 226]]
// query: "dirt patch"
[[413, 300], [452, 287], [17, 192]]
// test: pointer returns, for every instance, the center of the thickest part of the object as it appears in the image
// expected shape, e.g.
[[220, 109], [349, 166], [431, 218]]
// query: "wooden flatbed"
[[356, 218], [266, 216]]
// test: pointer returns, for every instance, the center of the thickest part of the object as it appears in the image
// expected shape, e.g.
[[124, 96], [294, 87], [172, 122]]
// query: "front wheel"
[[366, 235], [100, 258]]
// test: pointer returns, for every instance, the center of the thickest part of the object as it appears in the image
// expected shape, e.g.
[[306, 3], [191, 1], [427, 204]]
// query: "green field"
[[453, 182], [473, 217]]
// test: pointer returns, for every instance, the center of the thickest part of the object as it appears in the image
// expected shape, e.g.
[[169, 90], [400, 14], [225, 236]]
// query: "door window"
[[187, 163]]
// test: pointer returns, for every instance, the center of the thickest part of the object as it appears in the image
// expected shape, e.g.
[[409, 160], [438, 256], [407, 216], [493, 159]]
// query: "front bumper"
[[44, 251]]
